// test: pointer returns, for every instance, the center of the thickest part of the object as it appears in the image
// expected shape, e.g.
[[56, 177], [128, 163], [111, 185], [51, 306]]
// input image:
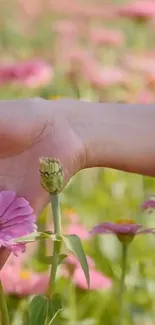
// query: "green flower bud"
[[52, 176]]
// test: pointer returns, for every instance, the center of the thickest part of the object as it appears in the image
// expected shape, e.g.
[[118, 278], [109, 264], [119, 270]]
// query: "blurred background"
[[93, 50]]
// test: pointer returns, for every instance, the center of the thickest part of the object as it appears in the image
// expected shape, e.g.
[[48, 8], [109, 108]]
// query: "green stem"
[[4, 315], [57, 243], [56, 214], [122, 283]]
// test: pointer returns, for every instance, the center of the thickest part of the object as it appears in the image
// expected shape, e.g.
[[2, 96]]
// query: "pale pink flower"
[[31, 8], [21, 281], [65, 27], [74, 226], [145, 97], [16, 220], [73, 270], [102, 36], [141, 10], [106, 77], [83, 11], [139, 63], [77, 229]]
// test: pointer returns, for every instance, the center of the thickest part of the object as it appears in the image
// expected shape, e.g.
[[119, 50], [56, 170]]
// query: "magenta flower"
[[125, 230], [149, 204], [16, 220]]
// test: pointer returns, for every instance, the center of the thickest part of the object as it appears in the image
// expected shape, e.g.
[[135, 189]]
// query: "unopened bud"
[[52, 176]]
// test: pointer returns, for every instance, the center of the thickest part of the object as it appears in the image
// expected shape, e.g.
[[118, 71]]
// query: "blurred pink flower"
[[34, 73], [83, 11], [31, 8], [107, 77], [125, 230], [73, 270], [139, 63], [145, 97], [149, 204], [74, 225], [65, 27], [141, 10], [109, 37], [20, 281]]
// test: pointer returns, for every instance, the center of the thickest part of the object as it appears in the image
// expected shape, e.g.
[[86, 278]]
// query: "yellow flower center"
[[125, 222], [52, 97], [25, 275]]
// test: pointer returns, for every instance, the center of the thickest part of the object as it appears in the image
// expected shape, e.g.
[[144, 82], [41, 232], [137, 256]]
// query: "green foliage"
[[74, 245], [54, 308], [38, 310]]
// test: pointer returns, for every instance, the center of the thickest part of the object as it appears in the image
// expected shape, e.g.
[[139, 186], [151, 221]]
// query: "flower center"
[[125, 238], [125, 222], [25, 275]]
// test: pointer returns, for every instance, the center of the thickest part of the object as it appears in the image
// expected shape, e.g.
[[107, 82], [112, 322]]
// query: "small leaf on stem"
[[38, 310], [34, 236], [73, 243]]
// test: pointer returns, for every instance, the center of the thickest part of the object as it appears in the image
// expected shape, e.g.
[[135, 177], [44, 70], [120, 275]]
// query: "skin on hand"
[[79, 134], [30, 129]]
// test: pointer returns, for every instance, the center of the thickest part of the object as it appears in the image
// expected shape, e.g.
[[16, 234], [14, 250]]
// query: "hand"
[[30, 129]]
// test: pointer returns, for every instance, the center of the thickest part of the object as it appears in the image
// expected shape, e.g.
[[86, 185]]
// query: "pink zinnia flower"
[[21, 281], [140, 10], [73, 270], [139, 63], [125, 230], [16, 220], [145, 97], [149, 204], [107, 77], [74, 226], [34, 73], [109, 37]]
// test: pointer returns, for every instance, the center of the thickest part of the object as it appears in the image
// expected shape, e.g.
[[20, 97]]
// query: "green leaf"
[[48, 259], [55, 307], [34, 236], [38, 310], [73, 243]]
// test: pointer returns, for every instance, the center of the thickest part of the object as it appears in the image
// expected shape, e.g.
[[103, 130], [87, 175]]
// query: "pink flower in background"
[[78, 229], [145, 97], [75, 227], [20, 281], [16, 220], [125, 230], [107, 77], [73, 270], [65, 27], [149, 204], [141, 10], [83, 11], [139, 63], [34, 73], [109, 37]]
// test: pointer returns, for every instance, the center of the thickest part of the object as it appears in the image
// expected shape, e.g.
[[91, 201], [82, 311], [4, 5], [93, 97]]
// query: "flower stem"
[[4, 315], [57, 243], [122, 283]]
